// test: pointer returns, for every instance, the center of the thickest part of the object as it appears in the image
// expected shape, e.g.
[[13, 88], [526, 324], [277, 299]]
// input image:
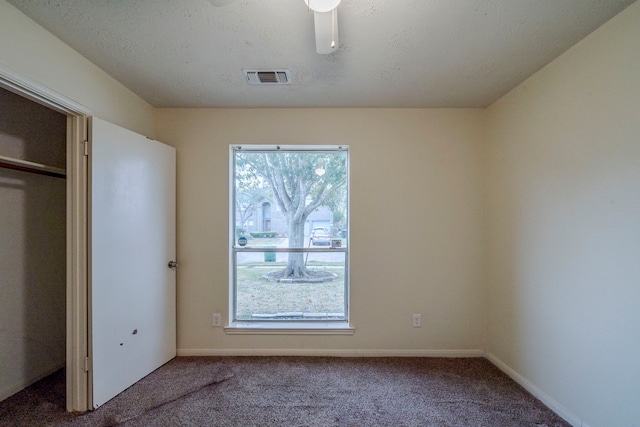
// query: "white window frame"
[[295, 327]]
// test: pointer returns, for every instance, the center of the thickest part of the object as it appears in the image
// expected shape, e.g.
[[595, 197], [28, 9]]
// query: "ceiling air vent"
[[267, 77]]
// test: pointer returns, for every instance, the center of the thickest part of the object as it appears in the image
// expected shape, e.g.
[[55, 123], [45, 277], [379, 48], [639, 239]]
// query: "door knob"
[[173, 264]]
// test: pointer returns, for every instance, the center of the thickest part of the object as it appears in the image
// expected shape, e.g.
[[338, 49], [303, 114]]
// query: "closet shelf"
[[26, 166]]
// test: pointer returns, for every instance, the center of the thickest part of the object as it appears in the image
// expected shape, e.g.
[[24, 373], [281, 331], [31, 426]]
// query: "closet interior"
[[32, 242]]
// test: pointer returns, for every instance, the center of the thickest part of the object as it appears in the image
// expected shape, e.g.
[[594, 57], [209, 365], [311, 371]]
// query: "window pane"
[[262, 294], [290, 219], [298, 195]]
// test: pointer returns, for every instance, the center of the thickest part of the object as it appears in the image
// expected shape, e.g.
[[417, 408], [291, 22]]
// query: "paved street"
[[330, 256]]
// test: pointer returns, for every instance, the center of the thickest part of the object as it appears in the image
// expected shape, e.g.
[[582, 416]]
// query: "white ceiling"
[[393, 53]]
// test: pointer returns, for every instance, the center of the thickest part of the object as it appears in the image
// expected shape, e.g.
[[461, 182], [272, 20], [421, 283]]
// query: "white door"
[[132, 237]]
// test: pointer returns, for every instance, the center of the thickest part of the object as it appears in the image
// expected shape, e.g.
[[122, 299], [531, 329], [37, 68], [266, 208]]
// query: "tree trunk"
[[295, 267]]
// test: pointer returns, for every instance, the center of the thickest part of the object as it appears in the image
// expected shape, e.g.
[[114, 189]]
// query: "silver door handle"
[[173, 264]]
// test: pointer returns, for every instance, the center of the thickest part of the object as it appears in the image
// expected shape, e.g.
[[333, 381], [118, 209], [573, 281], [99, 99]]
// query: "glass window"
[[289, 243]]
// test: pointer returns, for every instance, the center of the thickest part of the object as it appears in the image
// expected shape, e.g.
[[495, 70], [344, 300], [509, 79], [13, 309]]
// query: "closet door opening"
[[33, 235], [43, 240]]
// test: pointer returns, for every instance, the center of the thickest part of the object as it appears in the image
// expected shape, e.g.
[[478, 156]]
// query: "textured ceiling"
[[393, 53]]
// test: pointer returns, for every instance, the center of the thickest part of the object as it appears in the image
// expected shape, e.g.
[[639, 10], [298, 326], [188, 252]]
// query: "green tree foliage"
[[246, 202]]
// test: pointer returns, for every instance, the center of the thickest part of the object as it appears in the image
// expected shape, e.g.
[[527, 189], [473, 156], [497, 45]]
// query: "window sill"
[[289, 328]]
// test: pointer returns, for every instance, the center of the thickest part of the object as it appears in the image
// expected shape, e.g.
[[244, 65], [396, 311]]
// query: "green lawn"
[[259, 296]]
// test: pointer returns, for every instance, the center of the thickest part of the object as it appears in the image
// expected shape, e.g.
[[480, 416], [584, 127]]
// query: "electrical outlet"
[[417, 321], [217, 320]]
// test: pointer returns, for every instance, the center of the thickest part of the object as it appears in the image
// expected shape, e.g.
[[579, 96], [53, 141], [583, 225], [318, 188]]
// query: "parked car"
[[320, 236]]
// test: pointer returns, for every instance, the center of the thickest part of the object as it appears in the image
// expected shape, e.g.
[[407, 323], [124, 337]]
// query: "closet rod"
[[26, 166]]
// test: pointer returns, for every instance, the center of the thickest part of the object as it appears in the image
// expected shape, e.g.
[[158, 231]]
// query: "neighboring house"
[[266, 216]]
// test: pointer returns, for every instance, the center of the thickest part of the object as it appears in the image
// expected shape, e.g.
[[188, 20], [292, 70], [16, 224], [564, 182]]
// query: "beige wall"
[[417, 223], [564, 209], [31, 51]]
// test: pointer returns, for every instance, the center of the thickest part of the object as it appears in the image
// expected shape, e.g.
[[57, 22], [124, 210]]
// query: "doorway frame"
[[78, 392]]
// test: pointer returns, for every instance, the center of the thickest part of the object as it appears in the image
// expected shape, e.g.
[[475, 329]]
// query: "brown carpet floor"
[[298, 391]]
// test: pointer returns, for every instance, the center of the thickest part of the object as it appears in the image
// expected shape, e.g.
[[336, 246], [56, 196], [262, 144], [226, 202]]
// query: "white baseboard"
[[9, 390], [328, 353], [550, 402]]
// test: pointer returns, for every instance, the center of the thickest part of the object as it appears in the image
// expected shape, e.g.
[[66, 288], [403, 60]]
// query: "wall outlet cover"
[[217, 320], [417, 321]]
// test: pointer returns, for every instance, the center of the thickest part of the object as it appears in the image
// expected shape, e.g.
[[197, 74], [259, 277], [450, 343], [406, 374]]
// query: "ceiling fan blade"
[[326, 26]]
